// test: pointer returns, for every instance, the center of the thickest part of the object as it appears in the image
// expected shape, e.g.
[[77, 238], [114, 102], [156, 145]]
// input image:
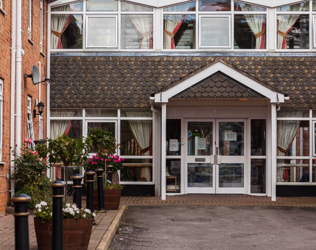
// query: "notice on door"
[[173, 145], [230, 136], [202, 144]]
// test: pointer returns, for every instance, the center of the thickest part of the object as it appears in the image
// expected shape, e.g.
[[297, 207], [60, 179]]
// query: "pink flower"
[[108, 159], [26, 140], [30, 140], [45, 158], [101, 159]]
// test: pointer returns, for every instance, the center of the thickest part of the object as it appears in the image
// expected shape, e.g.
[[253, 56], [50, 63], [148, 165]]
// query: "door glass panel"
[[107, 126], [200, 138], [231, 138], [231, 175], [200, 175]]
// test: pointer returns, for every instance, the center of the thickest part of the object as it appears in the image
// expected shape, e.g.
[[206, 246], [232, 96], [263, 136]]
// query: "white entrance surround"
[[162, 98]]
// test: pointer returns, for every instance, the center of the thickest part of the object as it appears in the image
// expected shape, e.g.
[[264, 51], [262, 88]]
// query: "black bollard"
[[101, 206], [57, 220], [90, 180], [77, 189], [21, 223]]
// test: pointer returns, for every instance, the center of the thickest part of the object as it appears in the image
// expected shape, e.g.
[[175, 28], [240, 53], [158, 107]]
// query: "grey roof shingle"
[[128, 82]]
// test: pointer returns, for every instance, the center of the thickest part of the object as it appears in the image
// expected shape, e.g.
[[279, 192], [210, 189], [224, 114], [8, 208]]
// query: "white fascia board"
[[266, 3], [164, 96], [61, 2]]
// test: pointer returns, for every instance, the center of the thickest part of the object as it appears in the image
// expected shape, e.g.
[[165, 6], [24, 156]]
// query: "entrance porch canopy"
[[163, 97]]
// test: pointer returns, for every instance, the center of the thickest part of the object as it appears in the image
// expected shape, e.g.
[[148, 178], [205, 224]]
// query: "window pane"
[[250, 31], [101, 32], [247, 7], [200, 138], [69, 7], [137, 32], [293, 170], [215, 5], [101, 5], [134, 7], [71, 128], [215, 32], [231, 175], [314, 5], [295, 7], [231, 138], [173, 175], [136, 113], [179, 31], [66, 31], [293, 32], [200, 175], [258, 137], [65, 113], [106, 126], [101, 113], [136, 138], [258, 176], [138, 170], [293, 138], [173, 137], [293, 113], [182, 7]]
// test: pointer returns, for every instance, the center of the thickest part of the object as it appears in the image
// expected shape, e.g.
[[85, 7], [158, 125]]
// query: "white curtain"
[[256, 24], [59, 23], [142, 133], [286, 134], [285, 24], [144, 25], [172, 25], [58, 127]]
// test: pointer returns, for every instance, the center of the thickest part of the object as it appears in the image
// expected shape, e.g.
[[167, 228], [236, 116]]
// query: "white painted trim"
[[163, 150], [163, 97], [273, 151]]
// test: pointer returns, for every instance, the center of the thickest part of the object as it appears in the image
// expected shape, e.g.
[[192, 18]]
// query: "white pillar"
[[273, 151], [163, 150]]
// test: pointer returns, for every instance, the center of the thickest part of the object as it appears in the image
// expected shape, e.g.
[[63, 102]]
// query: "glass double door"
[[215, 156]]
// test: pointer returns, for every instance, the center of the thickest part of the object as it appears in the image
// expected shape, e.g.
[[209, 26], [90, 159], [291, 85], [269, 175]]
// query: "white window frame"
[[41, 25], [29, 22], [1, 117], [102, 16], [229, 31], [314, 30], [30, 129], [1, 7]]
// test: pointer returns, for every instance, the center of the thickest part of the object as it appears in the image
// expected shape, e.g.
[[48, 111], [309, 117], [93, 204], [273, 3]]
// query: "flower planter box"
[[112, 198], [76, 233]]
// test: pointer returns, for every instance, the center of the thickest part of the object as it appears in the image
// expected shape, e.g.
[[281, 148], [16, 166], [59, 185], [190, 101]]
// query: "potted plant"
[[30, 172], [68, 151], [77, 222]]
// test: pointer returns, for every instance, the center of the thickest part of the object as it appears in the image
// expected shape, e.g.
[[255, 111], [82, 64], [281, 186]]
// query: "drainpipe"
[[12, 93], [18, 60]]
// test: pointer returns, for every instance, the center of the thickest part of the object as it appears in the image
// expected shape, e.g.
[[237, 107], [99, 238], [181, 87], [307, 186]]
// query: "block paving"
[[103, 220]]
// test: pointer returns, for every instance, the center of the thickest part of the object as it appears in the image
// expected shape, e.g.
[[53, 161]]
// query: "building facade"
[[208, 96], [23, 25]]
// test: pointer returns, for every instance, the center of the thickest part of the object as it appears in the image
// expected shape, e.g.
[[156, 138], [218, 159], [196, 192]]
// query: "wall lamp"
[[40, 107]]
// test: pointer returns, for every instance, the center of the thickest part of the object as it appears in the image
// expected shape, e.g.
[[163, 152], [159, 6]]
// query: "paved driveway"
[[217, 227]]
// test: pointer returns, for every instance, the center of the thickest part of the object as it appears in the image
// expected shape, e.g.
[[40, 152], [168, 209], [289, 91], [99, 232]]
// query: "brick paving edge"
[[111, 231]]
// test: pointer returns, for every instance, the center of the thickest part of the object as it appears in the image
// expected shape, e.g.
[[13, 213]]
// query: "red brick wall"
[[31, 57]]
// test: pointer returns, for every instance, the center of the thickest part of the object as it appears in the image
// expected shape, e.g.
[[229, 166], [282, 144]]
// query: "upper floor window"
[[293, 22], [29, 23], [41, 25], [1, 116], [215, 19], [98, 24]]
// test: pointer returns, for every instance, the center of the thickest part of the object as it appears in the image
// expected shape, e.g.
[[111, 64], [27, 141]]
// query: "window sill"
[[2, 11], [30, 41], [42, 54], [2, 163]]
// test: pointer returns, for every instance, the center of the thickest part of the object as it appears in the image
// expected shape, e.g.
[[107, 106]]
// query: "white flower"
[[51, 213], [43, 203], [74, 206], [72, 212], [87, 210], [38, 206], [67, 204], [93, 214], [84, 216], [39, 210]]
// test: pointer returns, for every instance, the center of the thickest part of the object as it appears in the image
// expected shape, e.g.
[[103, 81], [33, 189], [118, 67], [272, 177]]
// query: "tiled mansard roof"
[[129, 81]]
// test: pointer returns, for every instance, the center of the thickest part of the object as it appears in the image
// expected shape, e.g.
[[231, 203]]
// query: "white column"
[[163, 150], [273, 151]]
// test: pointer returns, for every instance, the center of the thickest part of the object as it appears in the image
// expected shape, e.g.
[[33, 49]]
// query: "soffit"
[[129, 81]]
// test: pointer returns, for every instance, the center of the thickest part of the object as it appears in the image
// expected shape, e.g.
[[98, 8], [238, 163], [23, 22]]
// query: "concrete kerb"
[[110, 233]]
